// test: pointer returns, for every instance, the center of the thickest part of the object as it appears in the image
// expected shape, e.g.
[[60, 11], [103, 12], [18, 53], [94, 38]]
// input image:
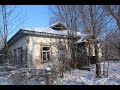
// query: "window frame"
[[46, 51], [61, 51]]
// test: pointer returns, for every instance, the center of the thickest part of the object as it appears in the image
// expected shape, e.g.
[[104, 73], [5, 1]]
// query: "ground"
[[74, 77], [84, 77]]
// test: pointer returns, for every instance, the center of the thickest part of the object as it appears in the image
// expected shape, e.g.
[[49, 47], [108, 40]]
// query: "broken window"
[[62, 51], [46, 53]]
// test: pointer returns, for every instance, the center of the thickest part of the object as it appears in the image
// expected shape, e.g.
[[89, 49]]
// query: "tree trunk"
[[98, 65], [98, 69]]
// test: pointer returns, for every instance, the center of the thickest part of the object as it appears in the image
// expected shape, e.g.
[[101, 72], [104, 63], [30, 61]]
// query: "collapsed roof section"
[[58, 26]]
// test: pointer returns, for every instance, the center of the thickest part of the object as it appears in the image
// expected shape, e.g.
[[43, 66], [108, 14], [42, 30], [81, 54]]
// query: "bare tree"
[[9, 21], [67, 15], [114, 11], [91, 19], [94, 20], [112, 46]]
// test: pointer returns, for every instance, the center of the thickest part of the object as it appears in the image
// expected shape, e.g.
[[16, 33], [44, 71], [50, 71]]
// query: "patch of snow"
[[48, 30], [82, 39], [5, 80], [52, 31], [56, 24], [84, 77], [48, 68], [73, 77]]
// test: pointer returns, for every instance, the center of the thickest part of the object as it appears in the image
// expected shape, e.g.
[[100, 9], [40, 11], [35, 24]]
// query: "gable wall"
[[20, 43]]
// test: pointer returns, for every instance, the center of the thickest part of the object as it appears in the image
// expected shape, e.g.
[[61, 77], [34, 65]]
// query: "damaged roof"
[[44, 32], [58, 26]]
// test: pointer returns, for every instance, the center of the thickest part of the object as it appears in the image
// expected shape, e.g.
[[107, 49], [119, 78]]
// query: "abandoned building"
[[34, 48], [86, 52]]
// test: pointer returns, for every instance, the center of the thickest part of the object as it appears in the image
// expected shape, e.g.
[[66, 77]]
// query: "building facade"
[[40, 47]]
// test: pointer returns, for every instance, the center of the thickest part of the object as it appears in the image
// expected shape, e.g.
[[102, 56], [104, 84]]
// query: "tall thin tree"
[[9, 21]]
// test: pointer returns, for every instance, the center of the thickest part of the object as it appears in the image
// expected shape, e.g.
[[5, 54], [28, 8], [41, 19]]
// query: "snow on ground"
[[6, 80], [84, 77], [11, 77], [73, 77]]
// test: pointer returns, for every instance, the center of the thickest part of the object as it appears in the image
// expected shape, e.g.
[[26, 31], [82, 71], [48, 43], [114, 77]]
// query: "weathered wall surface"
[[92, 50], [35, 49], [100, 51], [20, 43]]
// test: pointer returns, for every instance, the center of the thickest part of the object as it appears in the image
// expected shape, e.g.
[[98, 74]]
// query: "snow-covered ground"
[[14, 77], [84, 77], [73, 77]]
